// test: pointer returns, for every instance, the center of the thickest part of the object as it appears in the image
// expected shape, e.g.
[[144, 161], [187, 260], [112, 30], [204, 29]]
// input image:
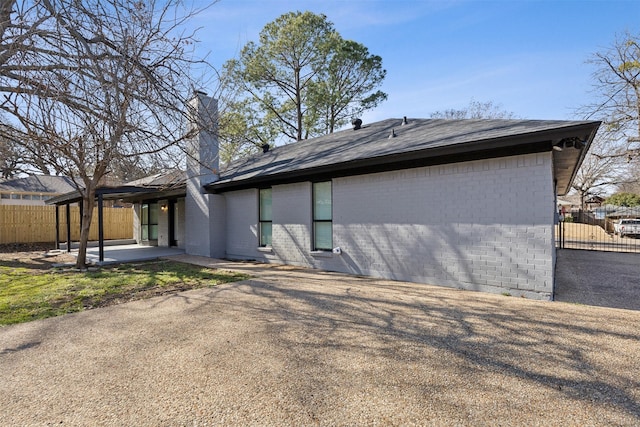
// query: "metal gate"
[[583, 230]]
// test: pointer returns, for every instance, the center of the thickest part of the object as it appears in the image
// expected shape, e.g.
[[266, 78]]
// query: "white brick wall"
[[482, 225]]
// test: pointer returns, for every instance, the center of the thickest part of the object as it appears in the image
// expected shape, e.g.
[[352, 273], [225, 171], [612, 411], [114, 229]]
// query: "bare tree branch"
[[88, 84]]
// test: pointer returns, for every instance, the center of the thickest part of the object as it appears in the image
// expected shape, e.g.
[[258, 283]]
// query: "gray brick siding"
[[204, 213], [242, 224], [483, 225]]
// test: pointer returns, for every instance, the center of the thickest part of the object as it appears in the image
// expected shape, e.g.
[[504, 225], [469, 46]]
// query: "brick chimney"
[[205, 214], [202, 148]]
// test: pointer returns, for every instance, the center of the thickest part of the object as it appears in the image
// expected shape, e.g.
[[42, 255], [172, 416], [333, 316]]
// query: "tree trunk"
[[5, 17], [298, 104], [87, 214]]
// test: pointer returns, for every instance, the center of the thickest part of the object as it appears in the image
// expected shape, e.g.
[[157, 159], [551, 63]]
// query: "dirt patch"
[[150, 292], [40, 256], [8, 248], [585, 232]]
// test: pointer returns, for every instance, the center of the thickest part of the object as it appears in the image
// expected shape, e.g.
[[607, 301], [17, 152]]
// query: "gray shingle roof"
[[39, 184], [169, 183], [168, 178], [419, 139]]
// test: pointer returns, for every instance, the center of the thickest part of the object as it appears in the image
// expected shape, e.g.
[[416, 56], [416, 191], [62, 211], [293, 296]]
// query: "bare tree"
[[475, 110], [613, 160], [600, 172], [632, 184], [11, 157], [616, 84], [95, 82]]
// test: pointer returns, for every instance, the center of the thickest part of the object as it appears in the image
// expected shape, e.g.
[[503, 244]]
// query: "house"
[[33, 190], [469, 204], [159, 212], [618, 212], [566, 207], [593, 202]]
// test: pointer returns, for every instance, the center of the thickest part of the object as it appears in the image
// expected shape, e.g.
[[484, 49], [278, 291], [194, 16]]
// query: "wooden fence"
[[31, 224]]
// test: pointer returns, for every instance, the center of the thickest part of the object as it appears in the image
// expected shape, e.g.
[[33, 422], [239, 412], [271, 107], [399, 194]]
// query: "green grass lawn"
[[27, 294]]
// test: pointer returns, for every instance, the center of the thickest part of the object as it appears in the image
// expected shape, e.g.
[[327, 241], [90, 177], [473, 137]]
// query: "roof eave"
[[565, 187]]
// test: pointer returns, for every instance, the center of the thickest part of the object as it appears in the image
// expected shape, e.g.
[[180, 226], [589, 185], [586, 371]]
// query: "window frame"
[[264, 221], [146, 224], [316, 221]]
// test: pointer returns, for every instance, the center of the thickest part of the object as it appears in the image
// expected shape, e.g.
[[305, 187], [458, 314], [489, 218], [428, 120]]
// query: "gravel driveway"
[[296, 347], [606, 279]]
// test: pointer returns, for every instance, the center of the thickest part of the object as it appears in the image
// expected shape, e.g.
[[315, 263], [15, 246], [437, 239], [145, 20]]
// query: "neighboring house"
[[33, 190], [593, 202], [618, 212], [565, 207], [469, 204]]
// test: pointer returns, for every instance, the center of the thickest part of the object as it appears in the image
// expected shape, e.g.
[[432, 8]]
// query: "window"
[[149, 221], [5, 196], [15, 196], [322, 217], [265, 217]]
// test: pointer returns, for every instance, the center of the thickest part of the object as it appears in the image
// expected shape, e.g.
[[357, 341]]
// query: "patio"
[[127, 253]]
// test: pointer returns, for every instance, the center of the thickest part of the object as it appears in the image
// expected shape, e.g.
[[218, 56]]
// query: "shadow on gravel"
[[525, 343], [20, 347], [605, 279], [333, 349]]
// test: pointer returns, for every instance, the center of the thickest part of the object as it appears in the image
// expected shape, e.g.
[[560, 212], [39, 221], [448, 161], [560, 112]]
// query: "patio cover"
[[171, 183]]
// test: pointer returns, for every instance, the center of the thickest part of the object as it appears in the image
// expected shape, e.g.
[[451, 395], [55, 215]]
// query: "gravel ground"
[[298, 347]]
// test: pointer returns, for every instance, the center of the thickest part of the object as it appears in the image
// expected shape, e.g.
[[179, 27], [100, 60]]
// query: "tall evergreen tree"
[[302, 79]]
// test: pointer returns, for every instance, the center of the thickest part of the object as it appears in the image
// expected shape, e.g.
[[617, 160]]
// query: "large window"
[[149, 221], [322, 217], [265, 217]]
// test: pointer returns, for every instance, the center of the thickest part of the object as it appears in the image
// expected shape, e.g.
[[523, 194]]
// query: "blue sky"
[[528, 56]]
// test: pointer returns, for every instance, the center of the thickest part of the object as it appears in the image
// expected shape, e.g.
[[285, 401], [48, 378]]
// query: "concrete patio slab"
[[129, 253], [94, 244]]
